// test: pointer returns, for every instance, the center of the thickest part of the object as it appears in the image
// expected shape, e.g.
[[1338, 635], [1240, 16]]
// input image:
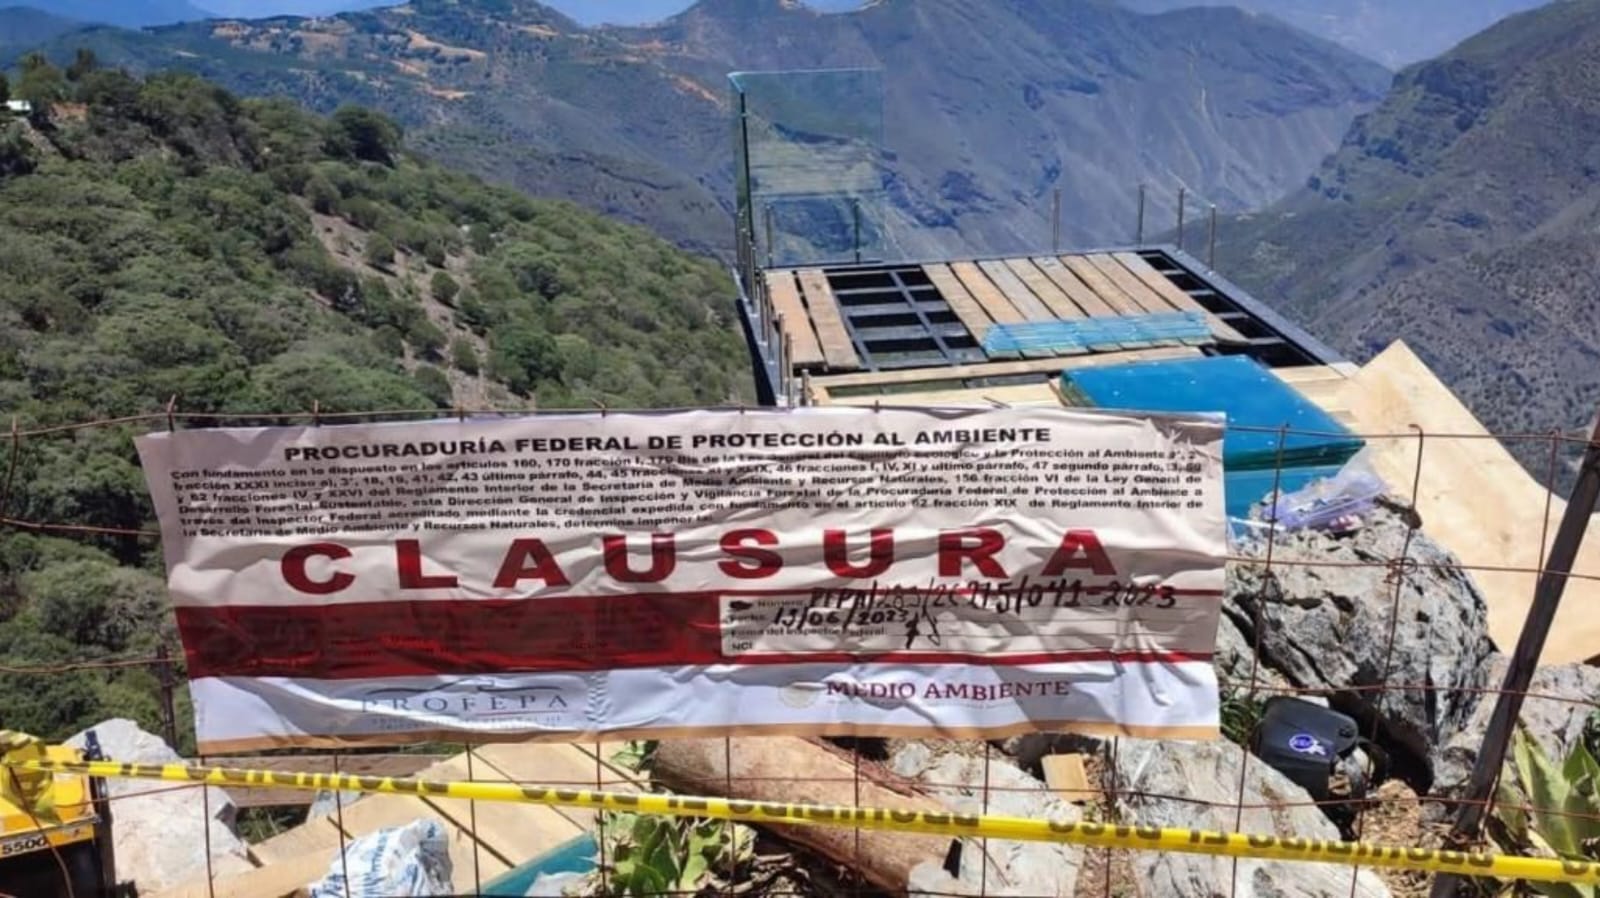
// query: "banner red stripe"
[[566, 633]]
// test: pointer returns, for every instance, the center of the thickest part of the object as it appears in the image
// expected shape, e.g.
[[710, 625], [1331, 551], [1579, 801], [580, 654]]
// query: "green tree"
[[463, 355], [82, 64], [435, 385], [322, 193], [380, 251], [41, 84], [356, 132], [5, 92], [17, 155], [426, 337], [444, 287]]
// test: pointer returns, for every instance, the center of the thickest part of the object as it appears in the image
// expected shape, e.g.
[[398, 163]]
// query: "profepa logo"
[[469, 699]]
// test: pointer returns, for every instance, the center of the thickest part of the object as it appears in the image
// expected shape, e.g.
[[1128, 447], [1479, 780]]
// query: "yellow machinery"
[[55, 829]]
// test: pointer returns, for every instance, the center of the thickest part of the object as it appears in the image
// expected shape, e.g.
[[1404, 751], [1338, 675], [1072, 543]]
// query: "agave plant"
[[652, 856], [1555, 812]]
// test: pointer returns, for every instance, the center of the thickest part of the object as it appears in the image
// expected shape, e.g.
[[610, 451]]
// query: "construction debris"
[[410, 861], [160, 834], [782, 768]]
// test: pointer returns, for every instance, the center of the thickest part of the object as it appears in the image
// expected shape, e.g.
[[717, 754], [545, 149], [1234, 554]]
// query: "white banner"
[[834, 571]]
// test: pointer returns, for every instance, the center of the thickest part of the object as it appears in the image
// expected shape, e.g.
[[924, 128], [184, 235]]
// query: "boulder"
[[1325, 612], [160, 837], [954, 774], [1195, 785], [1556, 723]]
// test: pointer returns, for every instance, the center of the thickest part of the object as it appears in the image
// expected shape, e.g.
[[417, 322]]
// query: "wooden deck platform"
[[839, 321], [1324, 385]]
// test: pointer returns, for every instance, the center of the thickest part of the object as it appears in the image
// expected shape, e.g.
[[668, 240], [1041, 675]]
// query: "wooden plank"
[[309, 837], [983, 290], [1096, 280], [1149, 301], [997, 369], [397, 764], [786, 302], [1061, 306], [1301, 374], [1067, 777], [1071, 299], [1031, 307], [967, 309], [824, 311], [504, 832], [567, 765], [1147, 274], [1041, 393], [1075, 289], [274, 881]]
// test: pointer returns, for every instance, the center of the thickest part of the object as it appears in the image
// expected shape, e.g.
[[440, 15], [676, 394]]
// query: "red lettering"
[[953, 548], [1080, 549], [836, 553], [294, 569], [529, 559], [663, 558], [408, 559], [765, 562]]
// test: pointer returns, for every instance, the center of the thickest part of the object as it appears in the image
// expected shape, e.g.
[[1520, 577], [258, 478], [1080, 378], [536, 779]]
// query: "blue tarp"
[[1257, 404], [1083, 334]]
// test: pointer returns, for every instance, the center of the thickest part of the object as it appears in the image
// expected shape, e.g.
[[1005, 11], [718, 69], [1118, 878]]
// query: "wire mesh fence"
[[1379, 620]]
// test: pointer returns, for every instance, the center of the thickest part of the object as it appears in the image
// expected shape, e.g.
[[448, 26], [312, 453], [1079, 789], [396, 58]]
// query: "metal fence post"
[[767, 214], [1182, 193], [1519, 672], [1139, 238], [855, 214], [1055, 223], [169, 713], [1211, 252]]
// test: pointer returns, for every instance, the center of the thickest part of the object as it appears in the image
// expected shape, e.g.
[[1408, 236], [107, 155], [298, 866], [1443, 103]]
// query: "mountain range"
[[1393, 32], [985, 112], [122, 13], [143, 13], [1461, 217]]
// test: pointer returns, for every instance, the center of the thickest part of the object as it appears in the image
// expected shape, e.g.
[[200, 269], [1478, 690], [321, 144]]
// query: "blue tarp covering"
[[1083, 334], [1257, 404]]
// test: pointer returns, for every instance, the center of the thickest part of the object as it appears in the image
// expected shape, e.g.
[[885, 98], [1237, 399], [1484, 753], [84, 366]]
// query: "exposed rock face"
[[1331, 615], [1556, 723], [160, 838], [955, 776], [1202, 780]]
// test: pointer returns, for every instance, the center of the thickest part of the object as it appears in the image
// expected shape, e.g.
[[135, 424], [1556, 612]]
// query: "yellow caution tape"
[[1099, 835]]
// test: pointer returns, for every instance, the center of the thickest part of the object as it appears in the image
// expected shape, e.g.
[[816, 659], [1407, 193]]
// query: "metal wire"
[[1117, 794]]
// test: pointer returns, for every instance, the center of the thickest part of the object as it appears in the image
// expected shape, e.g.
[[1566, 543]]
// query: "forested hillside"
[[162, 238]]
